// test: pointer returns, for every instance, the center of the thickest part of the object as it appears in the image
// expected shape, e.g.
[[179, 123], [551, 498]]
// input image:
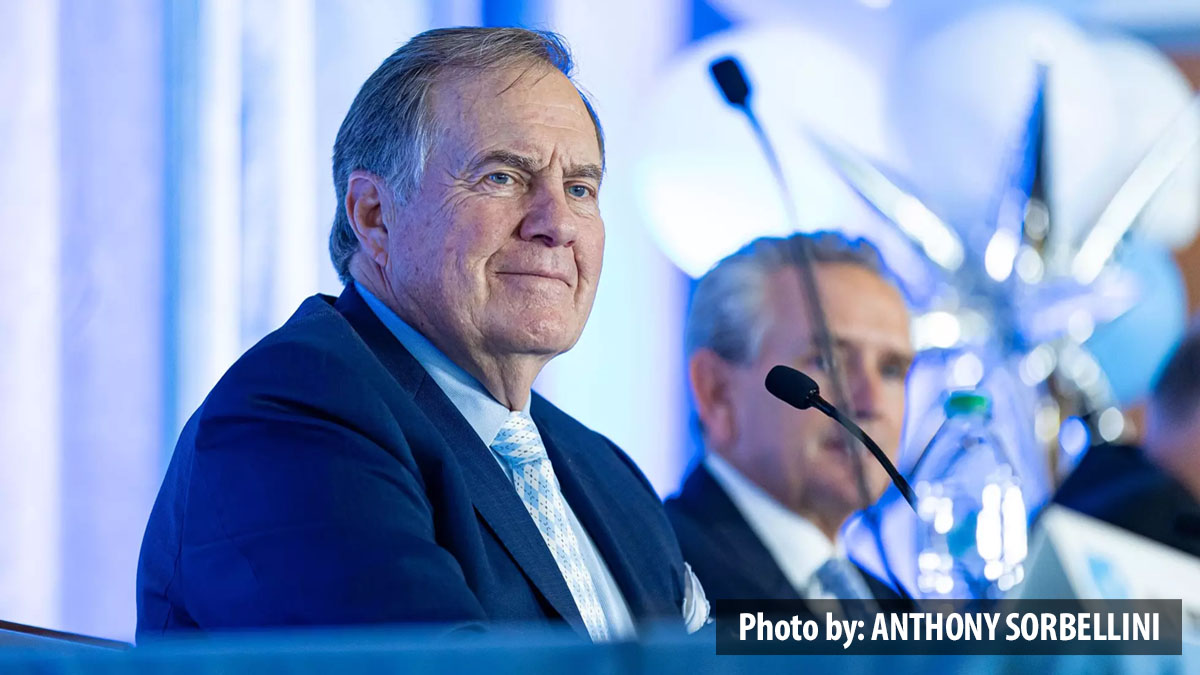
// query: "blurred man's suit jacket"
[[724, 551], [1119, 485], [327, 480]]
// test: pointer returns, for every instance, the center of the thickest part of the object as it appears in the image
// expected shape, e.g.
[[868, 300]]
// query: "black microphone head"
[[730, 80], [792, 387]]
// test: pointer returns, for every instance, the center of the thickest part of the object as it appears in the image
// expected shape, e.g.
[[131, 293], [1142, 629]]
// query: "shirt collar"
[[482, 411], [798, 546]]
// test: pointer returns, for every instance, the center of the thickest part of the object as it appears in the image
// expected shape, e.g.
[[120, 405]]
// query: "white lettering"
[[833, 628], [1141, 626], [933, 626], [784, 629], [973, 626], [992, 619], [954, 629], [1048, 622], [850, 632], [1029, 627], [765, 628], [1013, 631], [837, 629], [880, 631], [1067, 627]]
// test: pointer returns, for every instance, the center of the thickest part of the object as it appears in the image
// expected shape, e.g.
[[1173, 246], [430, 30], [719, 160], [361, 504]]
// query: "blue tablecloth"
[[516, 652]]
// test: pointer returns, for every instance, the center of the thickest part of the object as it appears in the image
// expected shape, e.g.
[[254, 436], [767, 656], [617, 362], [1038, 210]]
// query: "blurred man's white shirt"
[[797, 545]]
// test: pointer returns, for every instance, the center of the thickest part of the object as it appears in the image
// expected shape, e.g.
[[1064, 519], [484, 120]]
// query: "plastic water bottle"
[[972, 529]]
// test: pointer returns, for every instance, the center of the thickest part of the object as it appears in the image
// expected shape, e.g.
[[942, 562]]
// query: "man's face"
[[800, 457], [499, 249]]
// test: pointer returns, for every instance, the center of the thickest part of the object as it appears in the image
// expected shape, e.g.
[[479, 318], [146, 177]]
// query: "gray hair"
[[390, 127], [728, 311]]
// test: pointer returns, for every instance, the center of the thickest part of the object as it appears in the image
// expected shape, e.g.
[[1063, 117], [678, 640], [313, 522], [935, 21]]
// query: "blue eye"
[[580, 191], [499, 178]]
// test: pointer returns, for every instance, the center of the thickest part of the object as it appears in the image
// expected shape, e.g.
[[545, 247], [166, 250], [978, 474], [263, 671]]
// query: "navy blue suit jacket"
[[726, 555], [328, 480], [1120, 485]]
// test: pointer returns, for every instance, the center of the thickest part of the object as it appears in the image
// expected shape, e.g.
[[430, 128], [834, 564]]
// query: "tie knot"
[[518, 440]]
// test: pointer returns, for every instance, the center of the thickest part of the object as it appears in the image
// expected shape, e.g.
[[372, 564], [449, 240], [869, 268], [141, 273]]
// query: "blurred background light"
[[165, 182], [702, 181], [1073, 437]]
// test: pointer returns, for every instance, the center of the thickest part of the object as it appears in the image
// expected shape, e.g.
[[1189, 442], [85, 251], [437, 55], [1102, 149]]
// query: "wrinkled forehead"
[[508, 105], [861, 307]]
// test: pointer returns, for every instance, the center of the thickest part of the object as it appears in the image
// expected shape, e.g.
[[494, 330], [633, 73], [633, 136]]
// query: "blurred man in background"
[[759, 516], [1153, 491]]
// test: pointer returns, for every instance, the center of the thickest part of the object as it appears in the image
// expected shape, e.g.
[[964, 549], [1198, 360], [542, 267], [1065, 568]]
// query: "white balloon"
[[702, 179], [1150, 93], [961, 97]]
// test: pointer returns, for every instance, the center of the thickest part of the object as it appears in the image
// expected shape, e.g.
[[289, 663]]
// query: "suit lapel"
[[746, 550], [733, 537], [607, 519], [497, 502], [494, 497]]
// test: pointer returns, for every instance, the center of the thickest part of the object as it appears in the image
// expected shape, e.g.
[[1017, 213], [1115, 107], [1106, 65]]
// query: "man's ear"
[[369, 207], [710, 378]]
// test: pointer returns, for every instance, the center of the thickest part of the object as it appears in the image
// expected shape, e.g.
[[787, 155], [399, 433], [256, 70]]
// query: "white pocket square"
[[695, 604]]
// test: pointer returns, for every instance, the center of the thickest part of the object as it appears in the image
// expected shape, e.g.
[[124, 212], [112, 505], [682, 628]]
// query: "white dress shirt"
[[486, 415], [796, 544]]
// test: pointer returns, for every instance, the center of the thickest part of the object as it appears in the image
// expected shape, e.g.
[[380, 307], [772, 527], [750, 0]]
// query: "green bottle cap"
[[968, 403]]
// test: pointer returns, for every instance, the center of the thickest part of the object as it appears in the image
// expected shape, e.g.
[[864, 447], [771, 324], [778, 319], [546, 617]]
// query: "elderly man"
[[381, 457], [759, 516], [1155, 490]]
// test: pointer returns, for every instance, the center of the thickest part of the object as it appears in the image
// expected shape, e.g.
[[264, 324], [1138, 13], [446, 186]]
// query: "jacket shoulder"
[[316, 341], [314, 366]]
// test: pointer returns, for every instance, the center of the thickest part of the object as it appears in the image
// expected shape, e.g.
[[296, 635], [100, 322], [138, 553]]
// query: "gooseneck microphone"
[[735, 89], [731, 81], [801, 391]]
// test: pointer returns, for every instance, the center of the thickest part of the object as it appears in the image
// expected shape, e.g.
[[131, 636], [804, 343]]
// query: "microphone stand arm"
[[856, 431]]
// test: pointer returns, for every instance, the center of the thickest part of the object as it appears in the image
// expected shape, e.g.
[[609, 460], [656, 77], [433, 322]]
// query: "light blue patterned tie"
[[840, 578], [518, 442]]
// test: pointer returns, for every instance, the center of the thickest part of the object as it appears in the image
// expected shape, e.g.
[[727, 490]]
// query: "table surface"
[[509, 651]]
